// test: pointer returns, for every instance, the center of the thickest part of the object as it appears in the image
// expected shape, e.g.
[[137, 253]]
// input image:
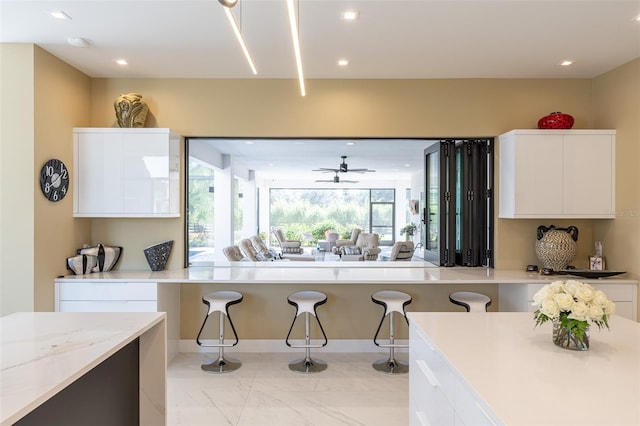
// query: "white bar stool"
[[471, 301], [393, 301], [306, 302], [220, 301]]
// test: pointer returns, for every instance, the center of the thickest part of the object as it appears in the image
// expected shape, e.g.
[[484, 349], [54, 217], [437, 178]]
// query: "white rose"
[[564, 301], [596, 313], [557, 287], [584, 293], [610, 309], [579, 311], [570, 286], [550, 308], [541, 295], [600, 299]]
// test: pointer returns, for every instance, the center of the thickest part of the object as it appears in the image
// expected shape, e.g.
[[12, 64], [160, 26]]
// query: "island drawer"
[[427, 363]]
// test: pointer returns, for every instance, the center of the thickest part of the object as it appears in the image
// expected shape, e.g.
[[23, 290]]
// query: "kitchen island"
[[81, 368], [496, 368], [349, 316]]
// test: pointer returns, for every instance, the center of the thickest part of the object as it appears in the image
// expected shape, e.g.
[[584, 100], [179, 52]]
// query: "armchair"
[[262, 249], [365, 248], [249, 251], [350, 242], [233, 254], [402, 250], [287, 246]]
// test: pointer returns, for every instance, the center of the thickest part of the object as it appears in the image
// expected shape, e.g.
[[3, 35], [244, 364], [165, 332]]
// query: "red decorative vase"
[[556, 120]]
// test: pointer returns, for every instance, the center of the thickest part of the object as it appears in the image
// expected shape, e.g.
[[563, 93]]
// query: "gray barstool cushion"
[[471, 301]]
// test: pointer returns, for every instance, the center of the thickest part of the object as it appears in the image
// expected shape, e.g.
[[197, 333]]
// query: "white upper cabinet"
[[557, 174], [126, 172]]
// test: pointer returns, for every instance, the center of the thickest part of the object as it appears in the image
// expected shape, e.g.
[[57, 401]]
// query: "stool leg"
[[307, 365], [222, 364], [391, 365]]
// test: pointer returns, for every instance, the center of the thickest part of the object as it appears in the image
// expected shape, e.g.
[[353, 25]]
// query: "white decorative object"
[[557, 174], [126, 172], [572, 306]]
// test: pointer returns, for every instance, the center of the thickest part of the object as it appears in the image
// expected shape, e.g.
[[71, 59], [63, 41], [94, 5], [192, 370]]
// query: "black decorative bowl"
[[158, 254]]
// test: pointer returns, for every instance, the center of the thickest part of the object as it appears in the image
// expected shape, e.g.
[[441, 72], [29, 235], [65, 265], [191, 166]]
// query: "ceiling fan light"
[[228, 3]]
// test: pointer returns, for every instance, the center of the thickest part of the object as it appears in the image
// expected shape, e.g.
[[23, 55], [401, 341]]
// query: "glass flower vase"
[[566, 339]]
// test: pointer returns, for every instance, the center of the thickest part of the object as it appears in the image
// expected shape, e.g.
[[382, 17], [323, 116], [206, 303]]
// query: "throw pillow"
[[352, 250]]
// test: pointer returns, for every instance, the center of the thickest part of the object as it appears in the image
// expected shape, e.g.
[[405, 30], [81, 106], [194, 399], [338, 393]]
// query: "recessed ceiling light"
[[248, 142], [343, 62], [407, 165], [350, 15], [58, 14], [566, 63], [122, 62], [637, 18], [351, 143], [77, 41]]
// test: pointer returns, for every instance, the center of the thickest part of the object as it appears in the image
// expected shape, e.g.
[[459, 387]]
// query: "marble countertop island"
[[526, 380], [42, 353]]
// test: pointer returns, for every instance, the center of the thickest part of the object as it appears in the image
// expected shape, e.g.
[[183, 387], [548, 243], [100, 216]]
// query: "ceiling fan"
[[336, 179], [342, 168]]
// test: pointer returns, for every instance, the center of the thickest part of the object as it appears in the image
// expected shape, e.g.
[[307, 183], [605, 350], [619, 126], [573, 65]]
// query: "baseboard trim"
[[278, 345]]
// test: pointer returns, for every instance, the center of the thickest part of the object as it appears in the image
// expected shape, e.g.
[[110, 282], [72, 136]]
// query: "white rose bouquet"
[[574, 305]]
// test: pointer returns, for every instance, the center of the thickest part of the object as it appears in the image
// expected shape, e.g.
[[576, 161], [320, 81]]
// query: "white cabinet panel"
[[107, 306], [126, 172], [107, 291], [557, 174]]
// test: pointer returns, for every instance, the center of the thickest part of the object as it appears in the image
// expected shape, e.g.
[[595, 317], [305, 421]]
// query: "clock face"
[[54, 180]]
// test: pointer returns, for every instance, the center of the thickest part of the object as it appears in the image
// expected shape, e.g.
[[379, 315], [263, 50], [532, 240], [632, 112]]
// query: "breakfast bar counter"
[[349, 313]]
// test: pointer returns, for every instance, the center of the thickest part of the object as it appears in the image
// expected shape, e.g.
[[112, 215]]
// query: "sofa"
[[366, 247]]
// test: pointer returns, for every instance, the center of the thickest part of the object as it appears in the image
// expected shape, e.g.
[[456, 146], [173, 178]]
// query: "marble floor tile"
[[265, 392]]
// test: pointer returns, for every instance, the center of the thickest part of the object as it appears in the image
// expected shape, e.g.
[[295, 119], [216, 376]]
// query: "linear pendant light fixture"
[[228, 4], [296, 43]]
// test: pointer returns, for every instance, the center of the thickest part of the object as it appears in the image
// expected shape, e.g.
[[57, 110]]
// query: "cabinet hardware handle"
[[485, 413], [433, 381]]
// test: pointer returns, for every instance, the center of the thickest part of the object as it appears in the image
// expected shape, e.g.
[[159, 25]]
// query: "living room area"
[[364, 206]]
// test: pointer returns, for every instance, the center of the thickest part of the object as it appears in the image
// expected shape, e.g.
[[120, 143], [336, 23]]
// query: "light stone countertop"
[[44, 352], [525, 379], [335, 272]]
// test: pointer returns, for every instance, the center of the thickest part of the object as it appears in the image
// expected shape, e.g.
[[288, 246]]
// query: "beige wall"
[[62, 99], [406, 108], [65, 98], [617, 105]]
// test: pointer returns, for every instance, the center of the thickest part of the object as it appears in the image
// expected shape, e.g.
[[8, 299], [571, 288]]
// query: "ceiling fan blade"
[[361, 170], [325, 170]]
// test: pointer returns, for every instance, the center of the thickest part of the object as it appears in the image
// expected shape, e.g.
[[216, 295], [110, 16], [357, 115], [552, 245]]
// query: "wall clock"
[[54, 180]]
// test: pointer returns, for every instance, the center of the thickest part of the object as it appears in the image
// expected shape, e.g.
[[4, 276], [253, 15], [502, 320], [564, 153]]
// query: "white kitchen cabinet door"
[[557, 174], [126, 173]]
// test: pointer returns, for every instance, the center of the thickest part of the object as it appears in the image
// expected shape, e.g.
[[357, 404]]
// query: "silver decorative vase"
[[158, 254], [556, 247]]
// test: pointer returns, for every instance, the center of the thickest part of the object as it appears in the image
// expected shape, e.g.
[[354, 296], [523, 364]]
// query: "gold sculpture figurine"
[[131, 110]]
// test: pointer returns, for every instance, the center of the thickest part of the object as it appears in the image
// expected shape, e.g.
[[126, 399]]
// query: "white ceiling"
[[391, 39], [396, 39]]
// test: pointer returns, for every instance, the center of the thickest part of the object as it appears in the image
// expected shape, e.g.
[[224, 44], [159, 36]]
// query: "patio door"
[[458, 209]]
